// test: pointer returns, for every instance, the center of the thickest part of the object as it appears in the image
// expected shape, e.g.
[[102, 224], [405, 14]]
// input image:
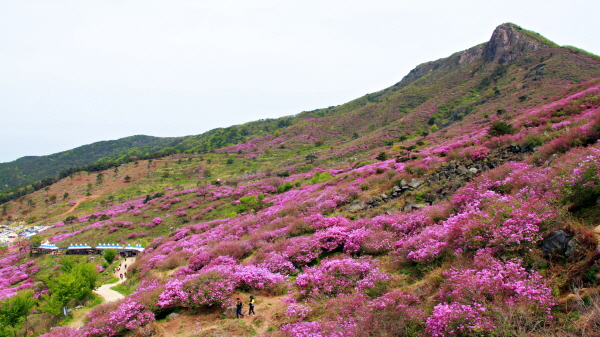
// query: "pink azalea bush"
[[340, 277], [108, 321]]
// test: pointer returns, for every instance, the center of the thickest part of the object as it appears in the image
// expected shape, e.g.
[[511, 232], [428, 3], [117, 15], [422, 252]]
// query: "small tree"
[[13, 312], [310, 157], [109, 255], [35, 240], [127, 178], [381, 156]]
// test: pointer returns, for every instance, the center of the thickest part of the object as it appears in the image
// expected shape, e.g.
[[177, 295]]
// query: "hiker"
[[121, 276], [251, 305], [238, 309], [125, 266]]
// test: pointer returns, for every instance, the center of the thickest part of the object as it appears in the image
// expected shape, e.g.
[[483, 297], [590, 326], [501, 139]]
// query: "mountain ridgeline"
[[515, 65]]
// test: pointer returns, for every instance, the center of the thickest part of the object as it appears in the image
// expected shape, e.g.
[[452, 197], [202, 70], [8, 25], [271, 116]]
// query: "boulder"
[[392, 210], [356, 206], [473, 170], [230, 311], [175, 315], [558, 243], [414, 183], [374, 202], [462, 170]]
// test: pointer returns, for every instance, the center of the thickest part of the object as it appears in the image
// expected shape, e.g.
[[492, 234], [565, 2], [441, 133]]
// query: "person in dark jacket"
[[238, 309], [251, 305]]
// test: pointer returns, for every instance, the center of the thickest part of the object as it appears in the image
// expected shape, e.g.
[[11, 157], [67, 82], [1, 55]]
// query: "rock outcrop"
[[509, 42]]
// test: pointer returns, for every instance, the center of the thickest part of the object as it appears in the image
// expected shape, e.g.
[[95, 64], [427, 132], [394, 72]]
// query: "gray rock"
[[407, 207], [462, 170], [392, 210], [384, 196], [473, 170], [229, 311], [558, 243], [403, 182], [414, 183], [374, 202], [173, 316], [356, 206]]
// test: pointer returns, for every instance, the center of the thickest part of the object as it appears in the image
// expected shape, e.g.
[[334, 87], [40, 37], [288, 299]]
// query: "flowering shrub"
[[340, 276], [105, 321], [63, 332], [302, 250], [498, 284], [458, 319], [248, 277], [302, 329], [198, 290], [582, 186], [277, 263], [394, 313], [298, 311]]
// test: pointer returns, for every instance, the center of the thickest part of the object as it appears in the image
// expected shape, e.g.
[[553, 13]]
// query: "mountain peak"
[[510, 41]]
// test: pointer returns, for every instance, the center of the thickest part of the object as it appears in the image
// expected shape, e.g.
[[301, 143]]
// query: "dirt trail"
[[108, 294], [74, 206]]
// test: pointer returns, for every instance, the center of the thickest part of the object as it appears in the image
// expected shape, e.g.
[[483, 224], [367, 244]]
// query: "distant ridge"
[[32, 168]]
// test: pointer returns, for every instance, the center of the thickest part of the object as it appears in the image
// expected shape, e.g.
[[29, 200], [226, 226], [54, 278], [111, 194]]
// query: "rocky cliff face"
[[508, 42]]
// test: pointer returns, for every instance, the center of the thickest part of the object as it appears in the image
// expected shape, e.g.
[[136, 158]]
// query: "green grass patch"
[[123, 289]]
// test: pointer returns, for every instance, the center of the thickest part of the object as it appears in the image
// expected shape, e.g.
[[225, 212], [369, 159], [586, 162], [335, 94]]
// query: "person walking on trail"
[[238, 307], [121, 276], [251, 305]]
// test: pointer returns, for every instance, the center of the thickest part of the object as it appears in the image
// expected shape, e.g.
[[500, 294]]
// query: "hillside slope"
[[33, 168], [460, 201]]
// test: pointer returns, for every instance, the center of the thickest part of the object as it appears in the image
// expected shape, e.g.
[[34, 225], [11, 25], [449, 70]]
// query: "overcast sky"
[[77, 72]]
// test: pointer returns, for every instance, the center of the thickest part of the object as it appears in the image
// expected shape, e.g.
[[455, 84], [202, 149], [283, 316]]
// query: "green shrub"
[[500, 128], [534, 140], [320, 177], [381, 156], [285, 187]]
